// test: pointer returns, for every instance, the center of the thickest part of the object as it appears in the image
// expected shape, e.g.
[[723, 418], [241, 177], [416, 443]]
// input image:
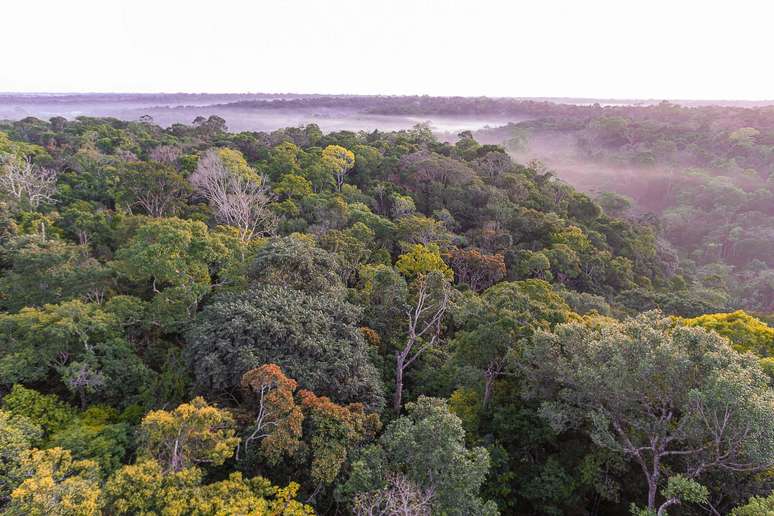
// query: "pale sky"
[[678, 49]]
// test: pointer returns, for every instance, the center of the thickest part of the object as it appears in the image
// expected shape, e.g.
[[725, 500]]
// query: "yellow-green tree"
[[58, 485], [340, 161], [193, 433], [422, 259], [745, 332], [145, 488]]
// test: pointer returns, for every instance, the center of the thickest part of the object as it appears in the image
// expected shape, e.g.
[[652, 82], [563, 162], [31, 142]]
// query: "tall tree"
[[429, 301], [340, 161], [278, 418], [193, 433], [674, 400], [426, 446], [238, 198], [314, 338], [26, 183]]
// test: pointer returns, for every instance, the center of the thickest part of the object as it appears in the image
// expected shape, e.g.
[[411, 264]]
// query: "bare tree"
[[237, 200], [424, 325], [168, 154], [401, 497], [26, 182]]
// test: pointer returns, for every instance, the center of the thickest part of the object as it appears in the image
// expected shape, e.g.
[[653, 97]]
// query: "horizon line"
[[527, 98]]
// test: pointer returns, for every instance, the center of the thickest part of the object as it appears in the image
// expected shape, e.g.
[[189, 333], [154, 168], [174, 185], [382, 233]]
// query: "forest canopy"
[[198, 321]]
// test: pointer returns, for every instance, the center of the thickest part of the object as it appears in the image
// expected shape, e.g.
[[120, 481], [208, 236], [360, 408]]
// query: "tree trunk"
[[652, 490], [398, 399], [488, 385], [665, 505]]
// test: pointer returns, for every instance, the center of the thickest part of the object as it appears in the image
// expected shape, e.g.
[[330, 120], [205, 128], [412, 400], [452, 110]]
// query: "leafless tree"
[[401, 497], [424, 316], [237, 200], [168, 154], [126, 155], [494, 163], [25, 182]]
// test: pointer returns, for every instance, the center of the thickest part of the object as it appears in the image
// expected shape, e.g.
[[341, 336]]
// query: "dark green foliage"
[[314, 338]]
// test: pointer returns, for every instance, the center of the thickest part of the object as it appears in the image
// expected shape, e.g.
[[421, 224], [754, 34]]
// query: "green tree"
[[298, 264], [499, 321], [44, 271], [756, 506], [674, 400], [427, 446], [160, 190], [171, 259], [55, 340], [314, 338]]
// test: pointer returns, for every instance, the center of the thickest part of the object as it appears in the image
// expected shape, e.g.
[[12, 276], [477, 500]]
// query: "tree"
[[145, 488], [499, 321], [675, 400], [25, 183], [45, 411], [429, 301], [239, 198], [298, 264], [47, 270], [340, 161], [158, 189], [17, 436], [56, 484], [494, 163], [351, 246], [756, 506], [278, 419], [332, 432], [418, 229], [476, 270], [99, 433], [422, 259], [172, 258], [313, 338], [400, 497], [745, 332], [166, 154], [427, 447], [383, 293], [40, 344], [193, 433]]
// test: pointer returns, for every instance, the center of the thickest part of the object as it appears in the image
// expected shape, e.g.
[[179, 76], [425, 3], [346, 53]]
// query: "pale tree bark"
[[424, 324], [401, 497], [236, 200], [23, 181]]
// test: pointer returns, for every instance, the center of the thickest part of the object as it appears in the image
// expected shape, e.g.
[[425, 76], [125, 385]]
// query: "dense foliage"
[[203, 322], [707, 173]]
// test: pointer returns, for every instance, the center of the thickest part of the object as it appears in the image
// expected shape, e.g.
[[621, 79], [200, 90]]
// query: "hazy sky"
[[618, 48]]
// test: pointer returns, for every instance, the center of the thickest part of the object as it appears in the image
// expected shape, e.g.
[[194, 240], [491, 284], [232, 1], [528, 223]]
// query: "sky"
[[655, 49]]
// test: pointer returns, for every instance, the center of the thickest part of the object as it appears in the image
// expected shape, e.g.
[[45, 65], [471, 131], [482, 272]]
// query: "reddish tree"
[[477, 270], [278, 419]]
